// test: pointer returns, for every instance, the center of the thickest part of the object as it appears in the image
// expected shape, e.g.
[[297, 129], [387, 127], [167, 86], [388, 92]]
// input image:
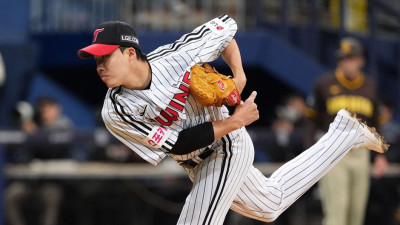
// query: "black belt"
[[192, 163]]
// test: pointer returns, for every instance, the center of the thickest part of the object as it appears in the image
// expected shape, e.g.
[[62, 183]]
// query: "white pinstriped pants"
[[227, 179]]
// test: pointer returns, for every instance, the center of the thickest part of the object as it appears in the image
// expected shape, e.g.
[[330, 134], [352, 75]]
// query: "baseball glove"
[[211, 88]]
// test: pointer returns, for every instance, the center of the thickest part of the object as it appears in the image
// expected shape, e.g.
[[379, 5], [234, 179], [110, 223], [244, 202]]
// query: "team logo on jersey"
[[215, 25], [221, 85], [95, 33], [143, 111]]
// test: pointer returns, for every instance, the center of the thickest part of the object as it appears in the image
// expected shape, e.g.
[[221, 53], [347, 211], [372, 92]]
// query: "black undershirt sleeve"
[[194, 138]]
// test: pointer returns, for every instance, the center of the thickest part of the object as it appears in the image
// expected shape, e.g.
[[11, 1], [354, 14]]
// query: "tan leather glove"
[[211, 88]]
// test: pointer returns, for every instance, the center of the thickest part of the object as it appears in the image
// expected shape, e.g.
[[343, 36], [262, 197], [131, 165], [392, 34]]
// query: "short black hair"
[[139, 54], [46, 100]]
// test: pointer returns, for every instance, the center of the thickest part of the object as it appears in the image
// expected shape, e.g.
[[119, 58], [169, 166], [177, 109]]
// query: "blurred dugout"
[[83, 15], [49, 16]]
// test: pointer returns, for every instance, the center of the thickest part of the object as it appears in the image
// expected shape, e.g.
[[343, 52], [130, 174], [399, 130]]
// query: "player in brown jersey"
[[344, 190]]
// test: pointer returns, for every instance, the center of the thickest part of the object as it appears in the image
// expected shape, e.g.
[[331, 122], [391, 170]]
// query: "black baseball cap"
[[350, 47], [109, 36]]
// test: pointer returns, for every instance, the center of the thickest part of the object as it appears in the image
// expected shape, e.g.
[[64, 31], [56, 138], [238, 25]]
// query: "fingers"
[[248, 111], [252, 96]]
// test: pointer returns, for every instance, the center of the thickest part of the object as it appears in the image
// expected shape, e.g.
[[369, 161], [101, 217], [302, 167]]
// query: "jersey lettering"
[[176, 105], [183, 88], [169, 115], [357, 104], [167, 99], [181, 97], [158, 136], [186, 78]]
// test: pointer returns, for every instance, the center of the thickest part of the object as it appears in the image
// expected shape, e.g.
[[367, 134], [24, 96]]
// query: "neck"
[[146, 74], [351, 75], [142, 73]]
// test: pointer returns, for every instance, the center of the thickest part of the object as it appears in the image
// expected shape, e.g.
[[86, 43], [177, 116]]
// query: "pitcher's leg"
[[216, 182], [258, 197], [266, 198]]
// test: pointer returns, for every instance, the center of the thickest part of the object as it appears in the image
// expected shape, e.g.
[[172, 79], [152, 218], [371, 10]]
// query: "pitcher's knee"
[[271, 216], [275, 216], [270, 213]]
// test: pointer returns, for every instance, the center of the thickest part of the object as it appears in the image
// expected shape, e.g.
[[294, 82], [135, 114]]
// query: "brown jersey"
[[333, 91]]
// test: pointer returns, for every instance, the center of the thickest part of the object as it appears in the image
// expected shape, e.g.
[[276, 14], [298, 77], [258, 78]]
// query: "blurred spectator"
[[390, 129], [113, 201], [107, 148], [347, 86], [50, 119], [293, 109], [110, 201], [43, 195], [50, 115], [283, 141]]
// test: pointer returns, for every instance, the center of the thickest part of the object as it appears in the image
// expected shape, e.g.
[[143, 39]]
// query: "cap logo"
[[129, 38], [95, 33], [345, 47]]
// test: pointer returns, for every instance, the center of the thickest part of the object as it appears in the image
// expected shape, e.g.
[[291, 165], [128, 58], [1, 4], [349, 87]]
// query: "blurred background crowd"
[[53, 143]]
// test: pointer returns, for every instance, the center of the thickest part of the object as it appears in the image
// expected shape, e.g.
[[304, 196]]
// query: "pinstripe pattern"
[[212, 195], [266, 198], [131, 115], [226, 179]]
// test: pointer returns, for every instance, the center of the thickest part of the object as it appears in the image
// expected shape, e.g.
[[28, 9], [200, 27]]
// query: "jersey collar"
[[349, 84]]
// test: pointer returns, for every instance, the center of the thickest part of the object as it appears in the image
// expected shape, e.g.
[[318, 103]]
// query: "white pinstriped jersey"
[[149, 121]]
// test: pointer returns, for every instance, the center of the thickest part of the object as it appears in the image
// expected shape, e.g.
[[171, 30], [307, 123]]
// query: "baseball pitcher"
[[171, 102]]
